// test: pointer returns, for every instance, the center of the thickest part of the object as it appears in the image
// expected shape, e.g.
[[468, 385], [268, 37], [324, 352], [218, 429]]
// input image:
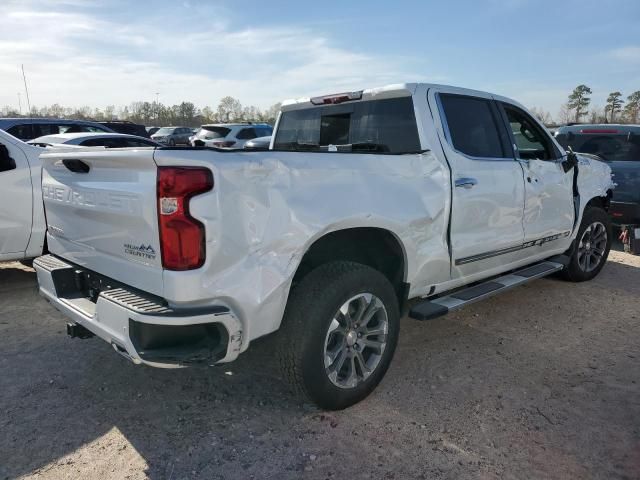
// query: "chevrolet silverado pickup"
[[408, 198]]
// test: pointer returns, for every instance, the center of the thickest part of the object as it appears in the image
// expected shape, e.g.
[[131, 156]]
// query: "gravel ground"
[[540, 382]]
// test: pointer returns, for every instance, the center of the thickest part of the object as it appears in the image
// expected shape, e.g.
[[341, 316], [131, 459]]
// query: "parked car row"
[[27, 129], [232, 135]]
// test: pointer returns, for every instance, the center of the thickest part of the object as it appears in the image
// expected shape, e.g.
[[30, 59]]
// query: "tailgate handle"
[[77, 166]]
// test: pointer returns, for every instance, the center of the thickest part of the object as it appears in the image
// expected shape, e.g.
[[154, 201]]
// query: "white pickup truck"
[[180, 256], [22, 223]]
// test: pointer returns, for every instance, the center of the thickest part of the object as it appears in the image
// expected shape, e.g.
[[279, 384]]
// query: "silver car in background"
[[94, 139], [172, 136], [260, 143]]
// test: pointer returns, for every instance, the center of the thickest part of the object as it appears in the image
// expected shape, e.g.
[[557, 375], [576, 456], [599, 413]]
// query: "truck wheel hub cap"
[[592, 247], [355, 340]]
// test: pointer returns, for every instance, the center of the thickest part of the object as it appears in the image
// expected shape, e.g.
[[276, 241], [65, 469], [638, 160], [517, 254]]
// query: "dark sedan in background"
[[29, 128], [619, 147]]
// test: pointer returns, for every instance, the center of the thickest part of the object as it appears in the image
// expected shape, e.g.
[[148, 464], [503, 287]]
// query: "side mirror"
[[571, 161], [6, 162]]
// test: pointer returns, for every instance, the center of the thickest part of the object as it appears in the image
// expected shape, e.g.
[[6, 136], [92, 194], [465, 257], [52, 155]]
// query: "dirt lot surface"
[[541, 382]]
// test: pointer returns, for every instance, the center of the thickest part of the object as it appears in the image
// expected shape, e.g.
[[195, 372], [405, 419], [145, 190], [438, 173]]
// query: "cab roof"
[[396, 90]]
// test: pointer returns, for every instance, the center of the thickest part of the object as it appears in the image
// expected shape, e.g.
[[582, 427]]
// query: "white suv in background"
[[229, 135]]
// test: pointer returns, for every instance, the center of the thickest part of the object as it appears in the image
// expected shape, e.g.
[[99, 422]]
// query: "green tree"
[[208, 115], [271, 114], [614, 104], [187, 113], [229, 109], [632, 109], [579, 101]]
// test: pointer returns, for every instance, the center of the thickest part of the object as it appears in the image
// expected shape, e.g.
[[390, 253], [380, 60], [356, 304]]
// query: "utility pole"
[[157, 107], [26, 89], [19, 104]]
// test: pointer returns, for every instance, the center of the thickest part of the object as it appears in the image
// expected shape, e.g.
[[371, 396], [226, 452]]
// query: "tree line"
[[230, 109], [577, 108], [186, 114]]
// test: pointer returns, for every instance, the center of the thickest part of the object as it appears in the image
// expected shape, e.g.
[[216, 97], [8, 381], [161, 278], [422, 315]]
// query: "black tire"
[[312, 306], [172, 143], [577, 271]]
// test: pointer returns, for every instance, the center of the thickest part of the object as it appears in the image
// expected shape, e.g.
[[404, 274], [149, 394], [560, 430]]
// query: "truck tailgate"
[[101, 212]]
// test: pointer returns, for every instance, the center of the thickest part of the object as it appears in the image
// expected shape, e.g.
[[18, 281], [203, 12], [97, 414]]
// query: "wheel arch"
[[603, 202], [376, 247]]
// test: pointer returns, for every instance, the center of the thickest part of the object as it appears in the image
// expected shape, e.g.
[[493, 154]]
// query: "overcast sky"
[[97, 53]]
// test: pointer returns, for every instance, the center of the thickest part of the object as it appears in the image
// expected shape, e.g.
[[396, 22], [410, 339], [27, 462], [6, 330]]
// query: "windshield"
[[165, 131], [376, 126], [611, 147], [210, 132]]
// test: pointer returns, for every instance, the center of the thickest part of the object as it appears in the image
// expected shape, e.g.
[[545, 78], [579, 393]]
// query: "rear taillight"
[[182, 241], [225, 144]]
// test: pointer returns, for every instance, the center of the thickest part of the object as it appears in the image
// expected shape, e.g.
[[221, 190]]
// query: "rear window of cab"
[[375, 126]]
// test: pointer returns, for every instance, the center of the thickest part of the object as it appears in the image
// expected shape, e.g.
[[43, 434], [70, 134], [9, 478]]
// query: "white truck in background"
[[368, 199], [22, 223]]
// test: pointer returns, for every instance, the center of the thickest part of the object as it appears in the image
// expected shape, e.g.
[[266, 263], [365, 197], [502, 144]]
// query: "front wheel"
[[339, 333], [592, 246]]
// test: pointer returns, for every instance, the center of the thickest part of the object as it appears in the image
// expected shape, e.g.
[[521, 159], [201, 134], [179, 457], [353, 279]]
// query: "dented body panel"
[[270, 208]]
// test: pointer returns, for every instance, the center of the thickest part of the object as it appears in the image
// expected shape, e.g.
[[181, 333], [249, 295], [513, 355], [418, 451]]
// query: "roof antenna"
[[26, 89]]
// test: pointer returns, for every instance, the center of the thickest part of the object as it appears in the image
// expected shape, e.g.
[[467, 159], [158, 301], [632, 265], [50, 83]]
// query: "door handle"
[[466, 182]]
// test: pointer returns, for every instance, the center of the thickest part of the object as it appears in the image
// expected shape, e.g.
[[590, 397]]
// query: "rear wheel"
[[592, 246], [339, 333]]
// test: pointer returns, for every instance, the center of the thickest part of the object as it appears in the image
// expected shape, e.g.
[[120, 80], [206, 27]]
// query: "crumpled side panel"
[[267, 209], [594, 180]]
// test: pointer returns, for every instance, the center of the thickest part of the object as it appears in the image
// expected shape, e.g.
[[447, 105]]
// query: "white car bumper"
[[139, 326]]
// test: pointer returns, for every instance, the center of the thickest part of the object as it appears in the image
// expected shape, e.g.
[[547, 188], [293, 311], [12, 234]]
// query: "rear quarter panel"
[[267, 208]]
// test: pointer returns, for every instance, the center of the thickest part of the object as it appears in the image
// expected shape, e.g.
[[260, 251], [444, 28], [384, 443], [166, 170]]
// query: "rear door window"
[[246, 134], [92, 128], [134, 142], [375, 126], [473, 126], [49, 129], [263, 131], [93, 142], [23, 131]]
